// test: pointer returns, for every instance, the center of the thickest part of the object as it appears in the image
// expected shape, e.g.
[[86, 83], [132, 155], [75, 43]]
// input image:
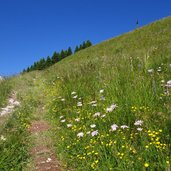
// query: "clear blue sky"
[[31, 29]]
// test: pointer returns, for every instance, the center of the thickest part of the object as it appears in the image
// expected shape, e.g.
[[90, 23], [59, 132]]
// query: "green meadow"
[[109, 105]]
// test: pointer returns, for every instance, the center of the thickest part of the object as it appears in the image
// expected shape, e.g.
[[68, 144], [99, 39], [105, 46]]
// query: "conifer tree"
[[84, 45], [65, 53], [62, 54], [55, 57], [88, 43], [76, 49], [28, 69], [34, 67], [69, 52], [81, 47], [41, 64], [48, 62]]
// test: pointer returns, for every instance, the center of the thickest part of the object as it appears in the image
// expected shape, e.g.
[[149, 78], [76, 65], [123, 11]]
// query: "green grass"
[[15, 139], [5, 89], [120, 67], [14, 146]]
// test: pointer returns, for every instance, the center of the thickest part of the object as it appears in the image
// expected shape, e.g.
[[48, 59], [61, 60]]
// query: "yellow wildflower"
[[146, 164]]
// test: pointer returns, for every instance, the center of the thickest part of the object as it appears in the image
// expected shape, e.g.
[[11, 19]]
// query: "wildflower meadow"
[[126, 127]]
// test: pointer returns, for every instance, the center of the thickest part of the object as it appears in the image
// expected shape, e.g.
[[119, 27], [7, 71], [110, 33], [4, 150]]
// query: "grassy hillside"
[[120, 67], [110, 104]]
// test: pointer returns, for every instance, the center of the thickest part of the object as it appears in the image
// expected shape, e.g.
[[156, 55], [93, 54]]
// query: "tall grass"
[[5, 88], [15, 141], [133, 71], [109, 105]]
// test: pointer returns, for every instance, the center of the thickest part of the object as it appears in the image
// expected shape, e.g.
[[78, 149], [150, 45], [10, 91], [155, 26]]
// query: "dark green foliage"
[[63, 54], [48, 62], [76, 49], [82, 46], [56, 57], [69, 51], [88, 43], [41, 64], [28, 69]]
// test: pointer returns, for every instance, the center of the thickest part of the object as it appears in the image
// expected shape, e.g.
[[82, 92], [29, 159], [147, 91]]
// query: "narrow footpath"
[[42, 152]]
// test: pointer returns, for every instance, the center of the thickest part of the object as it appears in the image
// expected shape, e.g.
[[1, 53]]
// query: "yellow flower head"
[[146, 164]]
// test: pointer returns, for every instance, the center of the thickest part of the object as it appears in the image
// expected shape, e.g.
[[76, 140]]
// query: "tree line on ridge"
[[56, 57]]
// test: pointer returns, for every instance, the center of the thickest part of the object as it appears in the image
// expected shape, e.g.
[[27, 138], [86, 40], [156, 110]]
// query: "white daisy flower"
[[150, 71], [77, 119], [74, 97], [138, 122], [96, 114], [93, 126], [101, 91], [168, 83], [111, 108], [69, 125], [114, 127], [124, 126], [94, 133], [3, 138], [81, 134], [79, 104], [139, 129]]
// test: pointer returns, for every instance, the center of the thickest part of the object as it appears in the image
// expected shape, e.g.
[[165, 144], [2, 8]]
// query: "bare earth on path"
[[42, 152]]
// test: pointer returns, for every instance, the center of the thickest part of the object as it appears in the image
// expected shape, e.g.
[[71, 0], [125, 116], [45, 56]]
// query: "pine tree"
[[88, 43], [65, 53], [84, 45], [28, 69], [55, 57], [62, 54], [69, 52], [41, 64], [31, 68], [35, 66], [48, 62], [81, 47], [76, 49]]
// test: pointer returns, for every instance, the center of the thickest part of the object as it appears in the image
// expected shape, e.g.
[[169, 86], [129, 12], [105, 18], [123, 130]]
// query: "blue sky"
[[31, 29]]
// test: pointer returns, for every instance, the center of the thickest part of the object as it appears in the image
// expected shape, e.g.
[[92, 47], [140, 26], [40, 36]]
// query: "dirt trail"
[[42, 153]]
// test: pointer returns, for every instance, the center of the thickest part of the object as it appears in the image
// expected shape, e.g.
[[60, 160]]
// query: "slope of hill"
[[109, 105]]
